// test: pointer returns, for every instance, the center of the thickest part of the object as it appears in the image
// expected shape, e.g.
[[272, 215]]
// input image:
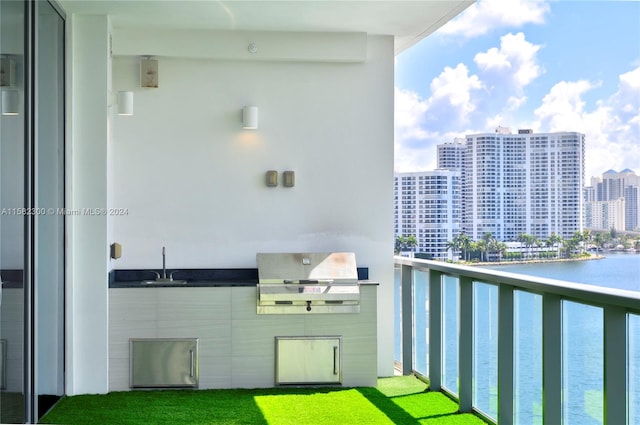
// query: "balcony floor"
[[397, 400]]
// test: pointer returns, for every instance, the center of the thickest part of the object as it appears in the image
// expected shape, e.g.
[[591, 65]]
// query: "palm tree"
[[587, 237], [527, 240], [460, 243], [405, 243], [497, 247], [554, 240], [454, 246], [487, 238], [481, 246], [600, 239], [625, 241], [578, 239], [465, 245]]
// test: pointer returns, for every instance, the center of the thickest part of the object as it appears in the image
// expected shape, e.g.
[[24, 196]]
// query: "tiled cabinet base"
[[236, 345]]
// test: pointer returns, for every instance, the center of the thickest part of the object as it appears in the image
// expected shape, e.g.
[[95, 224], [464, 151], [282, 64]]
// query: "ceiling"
[[408, 21]]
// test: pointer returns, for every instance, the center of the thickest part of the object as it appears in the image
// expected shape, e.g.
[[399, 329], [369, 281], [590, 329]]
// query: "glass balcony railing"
[[518, 349]]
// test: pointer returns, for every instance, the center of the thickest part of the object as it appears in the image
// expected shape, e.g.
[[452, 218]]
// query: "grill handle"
[[335, 360], [193, 363]]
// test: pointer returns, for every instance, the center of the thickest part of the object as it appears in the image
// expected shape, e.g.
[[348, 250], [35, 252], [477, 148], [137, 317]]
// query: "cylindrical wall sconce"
[[10, 102], [125, 103], [250, 117]]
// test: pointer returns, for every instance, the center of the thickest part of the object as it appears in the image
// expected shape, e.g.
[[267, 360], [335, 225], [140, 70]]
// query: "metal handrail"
[[586, 293], [617, 305]]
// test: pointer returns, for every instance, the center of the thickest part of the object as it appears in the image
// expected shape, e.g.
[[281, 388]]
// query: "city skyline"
[[547, 66]]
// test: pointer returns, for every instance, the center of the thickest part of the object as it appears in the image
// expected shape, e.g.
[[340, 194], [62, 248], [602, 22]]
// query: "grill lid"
[[296, 283], [304, 268]]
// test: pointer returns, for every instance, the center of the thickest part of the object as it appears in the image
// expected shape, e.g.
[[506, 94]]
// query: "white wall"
[[192, 180], [87, 252]]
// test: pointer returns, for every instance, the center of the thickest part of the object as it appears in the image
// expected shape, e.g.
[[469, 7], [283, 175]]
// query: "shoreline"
[[534, 261]]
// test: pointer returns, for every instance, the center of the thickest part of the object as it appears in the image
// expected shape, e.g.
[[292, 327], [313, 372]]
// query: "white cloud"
[[514, 62], [491, 15], [627, 98], [409, 115], [454, 86], [514, 102], [410, 153], [562, 108], [611, 128]]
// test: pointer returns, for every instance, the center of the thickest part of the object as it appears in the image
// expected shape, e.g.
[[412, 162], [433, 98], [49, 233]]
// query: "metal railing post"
[[465, 344], [615, 365], [435, 330], [505, 354], [407, 319], [551, 359]]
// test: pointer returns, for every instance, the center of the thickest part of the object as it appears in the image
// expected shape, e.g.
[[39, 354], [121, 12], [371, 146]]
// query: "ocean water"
[[616, 270], [582, 336]]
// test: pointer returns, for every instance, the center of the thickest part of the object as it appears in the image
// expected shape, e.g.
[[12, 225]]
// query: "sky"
[[542, 65]]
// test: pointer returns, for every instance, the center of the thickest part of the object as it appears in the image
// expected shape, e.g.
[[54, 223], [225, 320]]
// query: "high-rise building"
[[632, 207], [451, 155], [427, 206], [605, 215], [523, 183], [503, 183], [614, 186]]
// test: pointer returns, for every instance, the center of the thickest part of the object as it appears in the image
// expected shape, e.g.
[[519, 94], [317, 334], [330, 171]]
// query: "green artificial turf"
[[397, 400]]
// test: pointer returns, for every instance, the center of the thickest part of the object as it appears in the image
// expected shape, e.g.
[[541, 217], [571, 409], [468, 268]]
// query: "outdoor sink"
[[164, 282]]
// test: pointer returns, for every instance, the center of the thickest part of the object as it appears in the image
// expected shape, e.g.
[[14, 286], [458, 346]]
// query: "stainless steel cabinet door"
[[163, 362], [308, 360]]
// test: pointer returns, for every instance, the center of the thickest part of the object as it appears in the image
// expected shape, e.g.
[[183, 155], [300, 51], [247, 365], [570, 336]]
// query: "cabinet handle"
[[192, 371], [335, 360]]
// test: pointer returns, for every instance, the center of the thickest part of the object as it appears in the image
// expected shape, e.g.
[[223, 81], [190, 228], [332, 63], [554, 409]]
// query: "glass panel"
[[421, 322], [12, 230], [527, 391], [485, 348], [49, 193], [582, 364], [634, 369], [397, 316], [450, 331]]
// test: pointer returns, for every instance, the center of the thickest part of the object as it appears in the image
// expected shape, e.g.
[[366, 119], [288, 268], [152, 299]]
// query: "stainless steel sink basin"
[[164, 282]]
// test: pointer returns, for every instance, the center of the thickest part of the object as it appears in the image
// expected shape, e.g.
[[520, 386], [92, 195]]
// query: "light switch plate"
[[289, 179], [271, 178], [116, 250]]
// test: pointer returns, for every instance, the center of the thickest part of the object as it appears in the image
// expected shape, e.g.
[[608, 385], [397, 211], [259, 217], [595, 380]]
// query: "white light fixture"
[[125, 103], [250, 117], [10, 102]]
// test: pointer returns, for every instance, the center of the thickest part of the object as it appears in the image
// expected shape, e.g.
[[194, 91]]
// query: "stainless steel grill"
[[303, 283]]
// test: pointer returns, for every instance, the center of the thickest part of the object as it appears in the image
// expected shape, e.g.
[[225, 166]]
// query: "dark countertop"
[[198, 278], [202, 284], [188, 284]]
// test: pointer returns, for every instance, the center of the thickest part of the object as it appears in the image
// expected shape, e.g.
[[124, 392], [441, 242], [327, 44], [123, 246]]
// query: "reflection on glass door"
[[12, 204], [48, 194], [31, 209]]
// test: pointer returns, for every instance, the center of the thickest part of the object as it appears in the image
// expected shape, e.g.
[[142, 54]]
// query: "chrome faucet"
[[164, 263], [164, 278], [164, 268]]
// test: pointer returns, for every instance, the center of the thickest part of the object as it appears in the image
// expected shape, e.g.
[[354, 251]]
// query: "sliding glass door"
[[47, 157], [12, 206], [31, 209]]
